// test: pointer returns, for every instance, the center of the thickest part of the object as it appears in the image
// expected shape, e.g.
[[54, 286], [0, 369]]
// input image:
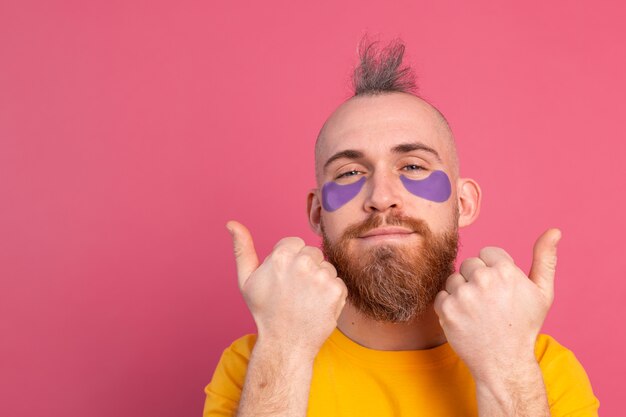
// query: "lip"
[[387, 232]]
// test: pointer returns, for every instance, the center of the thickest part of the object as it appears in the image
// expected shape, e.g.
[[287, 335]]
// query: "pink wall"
[[130, 132]]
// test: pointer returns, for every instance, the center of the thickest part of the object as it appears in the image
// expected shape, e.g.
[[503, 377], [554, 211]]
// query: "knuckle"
[[482, 278], [313, 251], [280, 258], [322, 274], [344, 292], [507, 268], [456, 275], [483, 251], [464, 293], [335, 290], [343, 286], [446, 307], [329, 267], [499, 252], [486, 251], [505, 254], [469, 261], [495, 252], [450, 283], [550, 264], [238, 250], [281, 250], [439, 299], [290, 243], [295, 242], [303, 261]]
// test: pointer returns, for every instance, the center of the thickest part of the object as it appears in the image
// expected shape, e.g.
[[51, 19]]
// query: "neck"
[[423, 332]]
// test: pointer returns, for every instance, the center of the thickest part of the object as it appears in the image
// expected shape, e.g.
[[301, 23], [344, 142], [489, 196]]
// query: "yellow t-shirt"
[[352, 380]]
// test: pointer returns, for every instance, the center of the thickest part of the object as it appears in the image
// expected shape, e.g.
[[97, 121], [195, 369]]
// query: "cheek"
[[436, 187], [335, 195], [332, 228]]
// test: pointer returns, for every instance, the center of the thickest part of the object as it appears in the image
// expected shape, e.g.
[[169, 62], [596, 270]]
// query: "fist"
[[295, 296], [492, 313]]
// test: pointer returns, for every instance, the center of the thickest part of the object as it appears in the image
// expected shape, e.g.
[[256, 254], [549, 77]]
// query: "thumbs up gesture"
[[294, 296], [492, 313]]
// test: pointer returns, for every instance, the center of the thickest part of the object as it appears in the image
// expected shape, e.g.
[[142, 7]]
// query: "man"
[[377, 323]]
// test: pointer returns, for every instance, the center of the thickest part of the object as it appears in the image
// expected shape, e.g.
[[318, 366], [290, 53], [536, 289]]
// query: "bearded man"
[[377, 322]]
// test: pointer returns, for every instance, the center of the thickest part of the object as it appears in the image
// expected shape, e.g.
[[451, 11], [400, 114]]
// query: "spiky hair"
[[380, 70]]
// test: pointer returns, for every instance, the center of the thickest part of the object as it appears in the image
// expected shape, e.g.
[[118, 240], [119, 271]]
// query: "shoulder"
[[243, 346], [552, 355], [224, 390], [567, 384], [547, 348], [550, 352], [235, 358]]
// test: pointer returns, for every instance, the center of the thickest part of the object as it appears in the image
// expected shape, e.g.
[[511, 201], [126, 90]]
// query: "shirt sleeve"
[[567, 384], [224, 390]]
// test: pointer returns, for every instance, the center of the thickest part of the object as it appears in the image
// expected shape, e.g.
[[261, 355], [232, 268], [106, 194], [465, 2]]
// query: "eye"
[[413, 167], [348, 174]]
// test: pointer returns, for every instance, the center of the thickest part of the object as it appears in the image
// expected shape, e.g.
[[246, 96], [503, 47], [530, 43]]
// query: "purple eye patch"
[[336, 195], [436, 187]]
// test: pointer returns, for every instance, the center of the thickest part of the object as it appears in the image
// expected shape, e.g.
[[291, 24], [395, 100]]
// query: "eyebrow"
[[348, 154], [402, 148], [415, 146]]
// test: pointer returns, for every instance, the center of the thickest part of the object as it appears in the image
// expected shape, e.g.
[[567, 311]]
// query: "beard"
[[394, 283]]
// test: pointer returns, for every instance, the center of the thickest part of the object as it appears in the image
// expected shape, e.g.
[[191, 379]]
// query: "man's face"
[[393, 248]]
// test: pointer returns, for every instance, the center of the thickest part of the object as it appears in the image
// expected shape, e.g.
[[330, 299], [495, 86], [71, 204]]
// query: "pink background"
[[130, 132]]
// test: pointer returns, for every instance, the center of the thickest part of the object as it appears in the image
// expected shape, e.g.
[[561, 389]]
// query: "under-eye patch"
[[336, 195], [436, 187]]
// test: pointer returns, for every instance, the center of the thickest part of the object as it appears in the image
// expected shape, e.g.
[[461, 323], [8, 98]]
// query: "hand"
[[295, 296], [491, 312]]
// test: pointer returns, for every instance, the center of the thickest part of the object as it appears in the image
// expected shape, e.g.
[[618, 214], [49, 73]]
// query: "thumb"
[[544, 261], [245, 255]]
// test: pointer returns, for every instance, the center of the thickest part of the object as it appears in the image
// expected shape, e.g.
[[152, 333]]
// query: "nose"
[[383, 193]]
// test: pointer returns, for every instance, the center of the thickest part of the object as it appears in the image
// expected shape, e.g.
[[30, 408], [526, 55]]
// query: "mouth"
[[387, 233]]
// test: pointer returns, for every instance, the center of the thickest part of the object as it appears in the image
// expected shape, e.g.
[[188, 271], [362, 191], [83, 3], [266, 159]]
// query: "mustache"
[[377, 220]]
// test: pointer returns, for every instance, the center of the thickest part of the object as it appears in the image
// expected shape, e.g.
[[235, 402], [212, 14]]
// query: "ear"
[[468, 194], [314, 210]]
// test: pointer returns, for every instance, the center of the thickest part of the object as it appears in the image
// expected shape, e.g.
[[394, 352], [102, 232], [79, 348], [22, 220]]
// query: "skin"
[[490, 312]]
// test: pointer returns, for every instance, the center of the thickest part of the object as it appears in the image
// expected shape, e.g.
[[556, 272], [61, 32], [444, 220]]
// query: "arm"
[[277, 383], [518, 392]]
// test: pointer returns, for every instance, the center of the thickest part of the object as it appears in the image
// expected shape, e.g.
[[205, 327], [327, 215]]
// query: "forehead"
[[376, 124]]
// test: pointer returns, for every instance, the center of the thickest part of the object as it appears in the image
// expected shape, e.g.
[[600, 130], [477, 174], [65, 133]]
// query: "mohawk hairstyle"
[[381, 70]]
